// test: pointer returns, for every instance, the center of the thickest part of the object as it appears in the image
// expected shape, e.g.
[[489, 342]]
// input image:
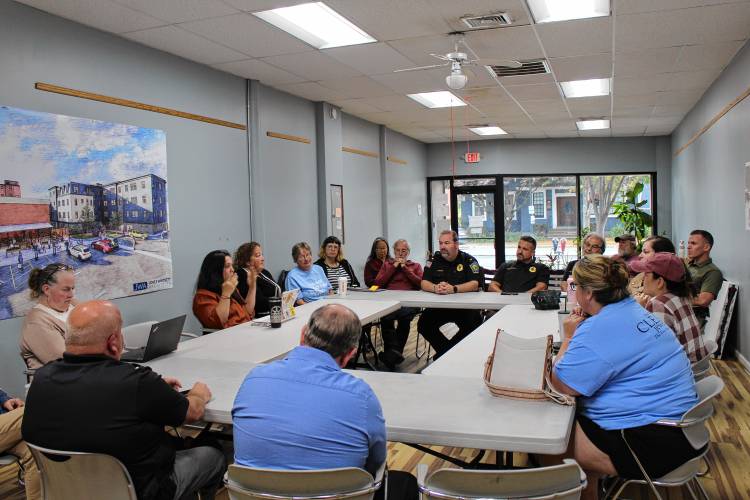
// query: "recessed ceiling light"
[[550, 11], [585, 88], [596, 124], [487, 130], [316, 24], [442, 99]]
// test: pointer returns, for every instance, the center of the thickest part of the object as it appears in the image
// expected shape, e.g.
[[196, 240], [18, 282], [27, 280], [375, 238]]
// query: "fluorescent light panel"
[[487, 130], [550, 11], [442, 99], [592, 124], [316, 24], [586, 88]]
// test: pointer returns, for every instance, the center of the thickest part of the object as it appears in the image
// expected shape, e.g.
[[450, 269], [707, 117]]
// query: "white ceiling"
[[661, 54]]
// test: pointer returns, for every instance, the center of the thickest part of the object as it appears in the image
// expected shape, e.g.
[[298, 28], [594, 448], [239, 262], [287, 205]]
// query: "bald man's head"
[[91, 324]]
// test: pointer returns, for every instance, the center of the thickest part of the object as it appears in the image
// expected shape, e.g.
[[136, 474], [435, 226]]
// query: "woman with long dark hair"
[[217, 302], [248, 259]]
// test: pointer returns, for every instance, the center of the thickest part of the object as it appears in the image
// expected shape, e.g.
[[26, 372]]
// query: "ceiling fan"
[[459, 58]]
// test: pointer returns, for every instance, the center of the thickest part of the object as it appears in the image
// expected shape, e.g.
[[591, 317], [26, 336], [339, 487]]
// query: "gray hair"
[[297, 249], [597, 236], [334, 329], [401, 241]]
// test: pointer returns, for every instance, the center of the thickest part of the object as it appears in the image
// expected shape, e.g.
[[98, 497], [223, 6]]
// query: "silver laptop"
[[162, 339]]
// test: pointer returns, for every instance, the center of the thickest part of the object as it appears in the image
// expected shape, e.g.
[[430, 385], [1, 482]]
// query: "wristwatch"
[[455, 289]]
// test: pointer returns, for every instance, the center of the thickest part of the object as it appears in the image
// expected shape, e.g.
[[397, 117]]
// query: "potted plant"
[[634, 219]]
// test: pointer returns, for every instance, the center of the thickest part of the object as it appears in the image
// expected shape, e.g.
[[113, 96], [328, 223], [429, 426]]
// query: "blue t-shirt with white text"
[[629, 367]]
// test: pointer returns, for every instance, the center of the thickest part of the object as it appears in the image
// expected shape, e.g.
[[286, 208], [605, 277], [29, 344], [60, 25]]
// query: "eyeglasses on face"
[[572, 287]]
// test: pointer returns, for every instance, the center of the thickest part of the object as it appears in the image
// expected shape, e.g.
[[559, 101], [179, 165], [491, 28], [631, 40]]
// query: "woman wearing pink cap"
[[666, 294]]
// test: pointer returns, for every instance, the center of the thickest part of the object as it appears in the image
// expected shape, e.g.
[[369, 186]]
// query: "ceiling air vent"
[[489, 21], [535, 67]]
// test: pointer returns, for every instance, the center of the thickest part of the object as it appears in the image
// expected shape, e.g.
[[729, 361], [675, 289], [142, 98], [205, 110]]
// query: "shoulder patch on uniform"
[[474, 267]]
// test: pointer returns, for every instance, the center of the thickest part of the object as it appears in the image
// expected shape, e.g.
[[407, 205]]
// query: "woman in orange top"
[[217, 303]]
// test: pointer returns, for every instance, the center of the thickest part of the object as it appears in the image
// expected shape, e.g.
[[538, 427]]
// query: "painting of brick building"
[[87, 193]]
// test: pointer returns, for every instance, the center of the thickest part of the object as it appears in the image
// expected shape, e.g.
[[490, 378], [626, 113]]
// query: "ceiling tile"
[[258, 5], [646, 62], [185, 44], [255, 69], [590, 106], [355, 106], [527, 79], [565, 39], [248, 34], [545, 107], [418, 49], [357, 87], [535, 92], [692, 80], [516, 42], [671, 110], [582, 67], [725, 22], [486, 95], [626, 86], [100, 14], [649, 99], [697, 57], [180, 11], [392, 19], [633, 112], [312, 66], [565, 124], [371, 58], [687, 97], [411, 82], [312, 91], [659, 29], [638, 6]]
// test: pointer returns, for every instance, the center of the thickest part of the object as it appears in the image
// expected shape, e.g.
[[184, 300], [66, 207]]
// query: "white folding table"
[[419, 298]]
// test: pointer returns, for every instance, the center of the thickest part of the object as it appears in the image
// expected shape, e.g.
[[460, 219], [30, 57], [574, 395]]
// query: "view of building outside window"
[[598, 195]]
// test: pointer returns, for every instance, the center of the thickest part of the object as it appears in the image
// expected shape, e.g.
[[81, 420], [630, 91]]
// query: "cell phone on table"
[[508, 293]]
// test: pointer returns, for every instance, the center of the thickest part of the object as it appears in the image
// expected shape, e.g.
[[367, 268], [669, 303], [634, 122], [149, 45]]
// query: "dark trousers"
[[431, 320], [395, 328], [401, 486]]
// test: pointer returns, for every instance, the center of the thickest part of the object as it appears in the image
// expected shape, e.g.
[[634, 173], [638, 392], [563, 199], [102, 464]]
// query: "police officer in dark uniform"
[[450, 271], [522, 275]]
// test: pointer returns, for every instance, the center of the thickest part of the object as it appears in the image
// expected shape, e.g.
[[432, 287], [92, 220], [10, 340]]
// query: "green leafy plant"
[[634, 219]]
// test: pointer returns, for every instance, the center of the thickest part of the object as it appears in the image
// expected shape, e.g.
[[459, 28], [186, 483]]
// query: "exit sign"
[[471, 157]]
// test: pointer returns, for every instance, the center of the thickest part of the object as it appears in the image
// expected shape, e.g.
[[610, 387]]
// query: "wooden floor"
[[729, 458]]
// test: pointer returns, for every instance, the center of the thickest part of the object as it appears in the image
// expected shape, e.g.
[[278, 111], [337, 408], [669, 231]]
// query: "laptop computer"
[[162, 339]]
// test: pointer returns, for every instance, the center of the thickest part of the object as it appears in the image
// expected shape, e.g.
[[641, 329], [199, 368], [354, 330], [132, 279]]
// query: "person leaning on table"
[[523, 274], [628, 370], [217, 302], [450, 271]]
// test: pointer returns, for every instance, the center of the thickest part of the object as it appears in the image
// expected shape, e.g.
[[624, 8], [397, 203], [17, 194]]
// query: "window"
[[538, 201], [143, 184], [75, 201], [119, 189], [133, 200], [133, 186], [143, 198], [76, 215]]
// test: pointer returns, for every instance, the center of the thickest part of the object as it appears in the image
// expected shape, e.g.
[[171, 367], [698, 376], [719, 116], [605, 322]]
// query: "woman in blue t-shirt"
[[629, 371], [308, 278]]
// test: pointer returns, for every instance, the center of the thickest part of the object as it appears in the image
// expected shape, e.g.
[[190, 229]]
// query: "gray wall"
[[710, 179], [570, 156], [284, 190], [207, 172], [363, 219], [406, 193]]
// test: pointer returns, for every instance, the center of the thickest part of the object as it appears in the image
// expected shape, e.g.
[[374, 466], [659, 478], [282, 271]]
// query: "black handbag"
[[546, 300]]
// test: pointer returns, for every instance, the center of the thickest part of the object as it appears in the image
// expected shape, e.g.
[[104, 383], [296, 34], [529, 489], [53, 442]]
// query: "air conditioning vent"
[[535, 67], [489, 21]]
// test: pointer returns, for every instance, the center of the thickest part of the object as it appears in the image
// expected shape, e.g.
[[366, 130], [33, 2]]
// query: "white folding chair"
[[350, 483], [73, 474], [565, 482], [702, 367], [693, 425]]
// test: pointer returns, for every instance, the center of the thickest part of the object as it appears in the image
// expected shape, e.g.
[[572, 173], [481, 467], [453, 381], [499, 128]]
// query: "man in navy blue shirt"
[[304, 412], [11, 415]]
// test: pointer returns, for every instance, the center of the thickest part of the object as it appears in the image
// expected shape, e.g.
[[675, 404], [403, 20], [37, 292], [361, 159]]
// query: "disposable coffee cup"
[[342, 286], [274, 304]]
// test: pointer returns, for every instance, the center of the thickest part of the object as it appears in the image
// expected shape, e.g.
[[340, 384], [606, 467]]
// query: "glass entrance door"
[[473, 218]]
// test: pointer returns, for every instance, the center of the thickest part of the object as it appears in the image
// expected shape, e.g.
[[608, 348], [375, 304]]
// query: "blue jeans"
[[198, 469]]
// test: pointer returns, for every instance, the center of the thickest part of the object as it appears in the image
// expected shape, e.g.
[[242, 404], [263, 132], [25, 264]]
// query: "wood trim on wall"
[[360, 152], [393, 159], [726, 109], [287, 137], [47, 87]]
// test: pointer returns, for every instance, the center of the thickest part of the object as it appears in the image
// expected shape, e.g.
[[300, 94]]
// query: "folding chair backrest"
[[564, 481], [69, 474], [696, 432], [282, 279], [348, 483]]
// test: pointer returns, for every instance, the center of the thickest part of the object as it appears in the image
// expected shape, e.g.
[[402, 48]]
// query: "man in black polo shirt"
[[91, 401], [523, 274], [450, 271]]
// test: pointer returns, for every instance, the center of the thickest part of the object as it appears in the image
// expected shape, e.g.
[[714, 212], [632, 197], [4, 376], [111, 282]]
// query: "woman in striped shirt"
[[334, 264]]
